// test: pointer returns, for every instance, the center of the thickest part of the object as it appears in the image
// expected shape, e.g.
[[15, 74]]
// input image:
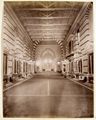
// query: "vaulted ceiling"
[[47, 21]]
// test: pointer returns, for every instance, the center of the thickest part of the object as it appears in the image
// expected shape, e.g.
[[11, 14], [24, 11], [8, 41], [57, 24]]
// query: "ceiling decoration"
[[47, 20]]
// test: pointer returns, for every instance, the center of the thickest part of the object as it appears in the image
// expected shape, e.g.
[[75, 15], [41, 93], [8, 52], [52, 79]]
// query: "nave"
[[47, 59]]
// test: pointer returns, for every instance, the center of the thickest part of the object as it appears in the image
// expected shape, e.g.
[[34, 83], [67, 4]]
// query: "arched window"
[[80, 66], [4, 63], [23, 66], [90, 66], [15, 66], [70, 47], [78, 35], [26, 67]]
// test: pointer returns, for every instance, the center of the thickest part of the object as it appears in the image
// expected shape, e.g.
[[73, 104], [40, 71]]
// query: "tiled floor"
[[48, 95]]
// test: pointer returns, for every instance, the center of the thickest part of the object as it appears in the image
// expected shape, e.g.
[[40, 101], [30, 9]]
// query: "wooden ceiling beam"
[[47, 9], [45, 38], [46, 18], [40, 27], [36, 14], [46, 29], [46, 25], [49, 33]]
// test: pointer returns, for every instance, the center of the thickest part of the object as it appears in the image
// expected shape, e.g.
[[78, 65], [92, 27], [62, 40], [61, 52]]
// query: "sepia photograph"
[[48, 59]]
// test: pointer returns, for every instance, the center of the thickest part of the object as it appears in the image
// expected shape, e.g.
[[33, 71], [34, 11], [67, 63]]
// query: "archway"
[[48, 60]]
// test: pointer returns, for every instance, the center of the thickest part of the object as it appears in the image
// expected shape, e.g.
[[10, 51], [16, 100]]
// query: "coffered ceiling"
[[47, 21]]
